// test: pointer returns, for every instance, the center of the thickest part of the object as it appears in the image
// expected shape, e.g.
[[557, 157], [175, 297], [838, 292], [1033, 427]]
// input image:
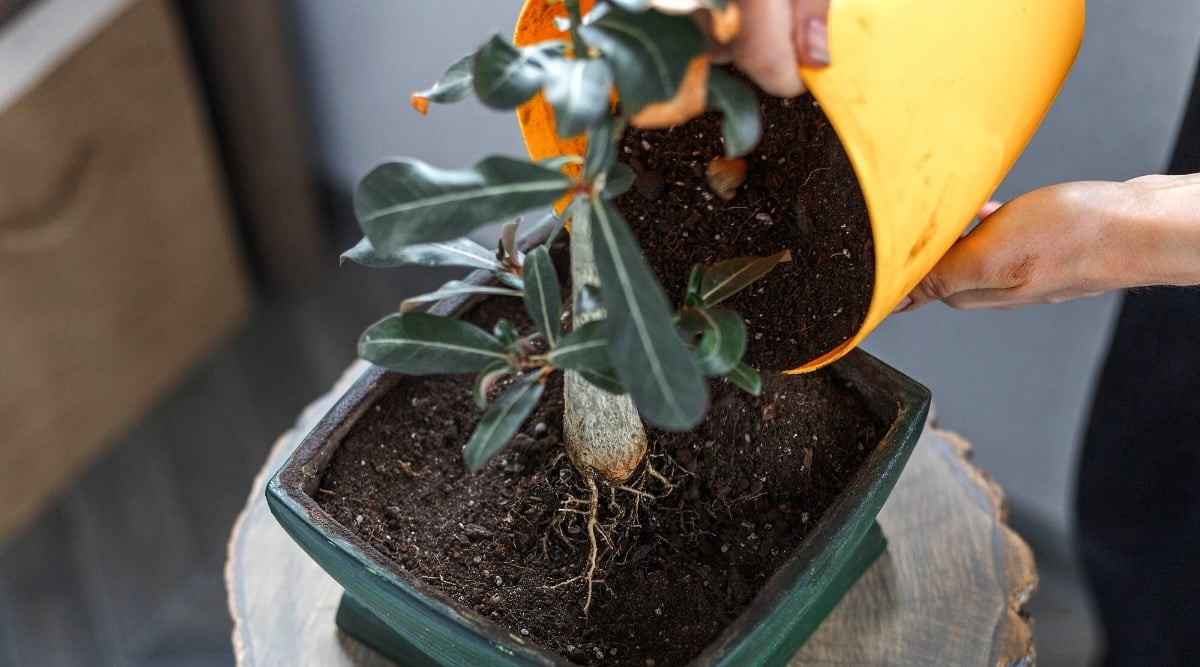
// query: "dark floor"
[[126, 568]]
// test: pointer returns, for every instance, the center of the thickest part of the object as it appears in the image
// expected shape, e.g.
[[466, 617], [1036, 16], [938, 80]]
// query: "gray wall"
[[1015, 383]]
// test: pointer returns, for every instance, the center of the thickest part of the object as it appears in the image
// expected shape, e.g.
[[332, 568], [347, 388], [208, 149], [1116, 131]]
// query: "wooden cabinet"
[[119, 269]]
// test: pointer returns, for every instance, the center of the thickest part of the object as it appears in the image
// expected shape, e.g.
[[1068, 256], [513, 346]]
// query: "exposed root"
[[588, 508], [406, 468], [604, 514], [661, 478]]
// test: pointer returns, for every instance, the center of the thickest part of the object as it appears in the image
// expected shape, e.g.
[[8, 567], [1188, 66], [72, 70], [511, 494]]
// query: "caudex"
[[627, 352]]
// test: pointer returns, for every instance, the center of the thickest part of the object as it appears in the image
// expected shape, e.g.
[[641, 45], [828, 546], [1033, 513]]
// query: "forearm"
[[1160, 223]]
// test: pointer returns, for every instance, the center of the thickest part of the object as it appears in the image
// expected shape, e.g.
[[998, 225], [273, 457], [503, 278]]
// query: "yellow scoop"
[[933, 101]]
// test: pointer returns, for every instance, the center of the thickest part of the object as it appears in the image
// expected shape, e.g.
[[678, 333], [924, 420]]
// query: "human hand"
[[1072, 240], [775, 36]]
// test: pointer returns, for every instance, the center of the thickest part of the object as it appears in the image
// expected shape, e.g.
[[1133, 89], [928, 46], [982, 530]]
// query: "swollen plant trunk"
[[603, 431]]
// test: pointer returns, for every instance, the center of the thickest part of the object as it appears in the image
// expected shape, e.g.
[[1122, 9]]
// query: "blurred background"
[[174, 191]]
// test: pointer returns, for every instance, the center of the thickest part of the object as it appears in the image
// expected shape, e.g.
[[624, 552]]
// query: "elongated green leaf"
[[724, 279], [501, 421], [620, 178], [631, 5], [423, 344], [505, 77], [406, 202], [505, 333], [648, 51], [644, 348], [578, 90], [585, 351], [454, 85], [601, 152], [639, 5], [543, 299], [583, 348], [458, 252], [455, 288], [742, 122], [722, 343], [747, 378]]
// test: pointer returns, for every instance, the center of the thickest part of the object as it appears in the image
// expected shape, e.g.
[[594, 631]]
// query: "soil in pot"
[[687, 546], [800, 194]]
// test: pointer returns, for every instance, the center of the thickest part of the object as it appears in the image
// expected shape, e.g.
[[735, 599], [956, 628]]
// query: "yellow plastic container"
[[933, 101]]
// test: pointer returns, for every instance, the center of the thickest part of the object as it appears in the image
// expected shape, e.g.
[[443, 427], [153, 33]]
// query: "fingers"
[[989, 208], [974, 274], [765, 49], [810, 32]]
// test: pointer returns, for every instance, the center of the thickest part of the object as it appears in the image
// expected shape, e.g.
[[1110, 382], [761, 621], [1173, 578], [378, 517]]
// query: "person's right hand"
[[775, 37], [1072, 240]]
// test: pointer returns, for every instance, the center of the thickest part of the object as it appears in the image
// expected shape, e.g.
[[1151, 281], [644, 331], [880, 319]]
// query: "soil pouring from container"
[[931, 115]]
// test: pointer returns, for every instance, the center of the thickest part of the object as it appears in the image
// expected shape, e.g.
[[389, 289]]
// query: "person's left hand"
[[775, 37]]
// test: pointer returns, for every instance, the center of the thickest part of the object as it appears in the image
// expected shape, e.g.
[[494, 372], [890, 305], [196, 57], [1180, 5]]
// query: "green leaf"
[[639, 5], [742, 122], [454, 85], [631, 5], [501, 421], [505, 77], [423, 344], [487, 378], [747, 378], [648, 51], [543, 299], [505, 333], [649, 358], [722, 339], [405, 201], [585, 351], [620, 178], [724, 279], [578, 90], [601, 152], [455, 288], [458, 252]]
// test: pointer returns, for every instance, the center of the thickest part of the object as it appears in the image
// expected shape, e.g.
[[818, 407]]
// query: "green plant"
[[627, 351]]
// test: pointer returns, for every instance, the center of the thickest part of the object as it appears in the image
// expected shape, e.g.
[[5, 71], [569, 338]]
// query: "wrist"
[[1164, 214]]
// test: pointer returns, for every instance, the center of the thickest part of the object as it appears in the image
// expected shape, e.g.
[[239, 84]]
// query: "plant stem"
[[576, 19], [603, 431]]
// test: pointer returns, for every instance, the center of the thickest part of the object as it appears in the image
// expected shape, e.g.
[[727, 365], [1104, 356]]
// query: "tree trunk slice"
[[948, 591], [952, 584]]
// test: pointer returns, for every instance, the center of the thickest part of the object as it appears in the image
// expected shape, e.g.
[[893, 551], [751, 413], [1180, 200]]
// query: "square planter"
[[413, 623]]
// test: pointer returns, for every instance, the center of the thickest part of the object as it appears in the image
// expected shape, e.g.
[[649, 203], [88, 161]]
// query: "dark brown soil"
[[800, 194], [681, 558], [677, 568]]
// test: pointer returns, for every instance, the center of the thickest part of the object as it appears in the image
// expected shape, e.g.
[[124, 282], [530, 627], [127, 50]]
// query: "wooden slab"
[[948, 591]]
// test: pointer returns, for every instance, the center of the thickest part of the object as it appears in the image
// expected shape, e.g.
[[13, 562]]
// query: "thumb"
[[958, 271]]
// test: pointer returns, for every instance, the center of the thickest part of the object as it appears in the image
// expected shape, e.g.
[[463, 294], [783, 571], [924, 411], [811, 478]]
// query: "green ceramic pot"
[[411, 622]]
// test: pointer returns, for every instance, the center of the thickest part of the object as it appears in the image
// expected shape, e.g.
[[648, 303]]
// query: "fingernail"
[[816, 40], [903, 304]]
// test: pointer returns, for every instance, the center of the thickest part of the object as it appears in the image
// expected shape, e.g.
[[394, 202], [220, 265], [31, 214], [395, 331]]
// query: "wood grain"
[[951, 586], [118, 267], [948, 591]]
